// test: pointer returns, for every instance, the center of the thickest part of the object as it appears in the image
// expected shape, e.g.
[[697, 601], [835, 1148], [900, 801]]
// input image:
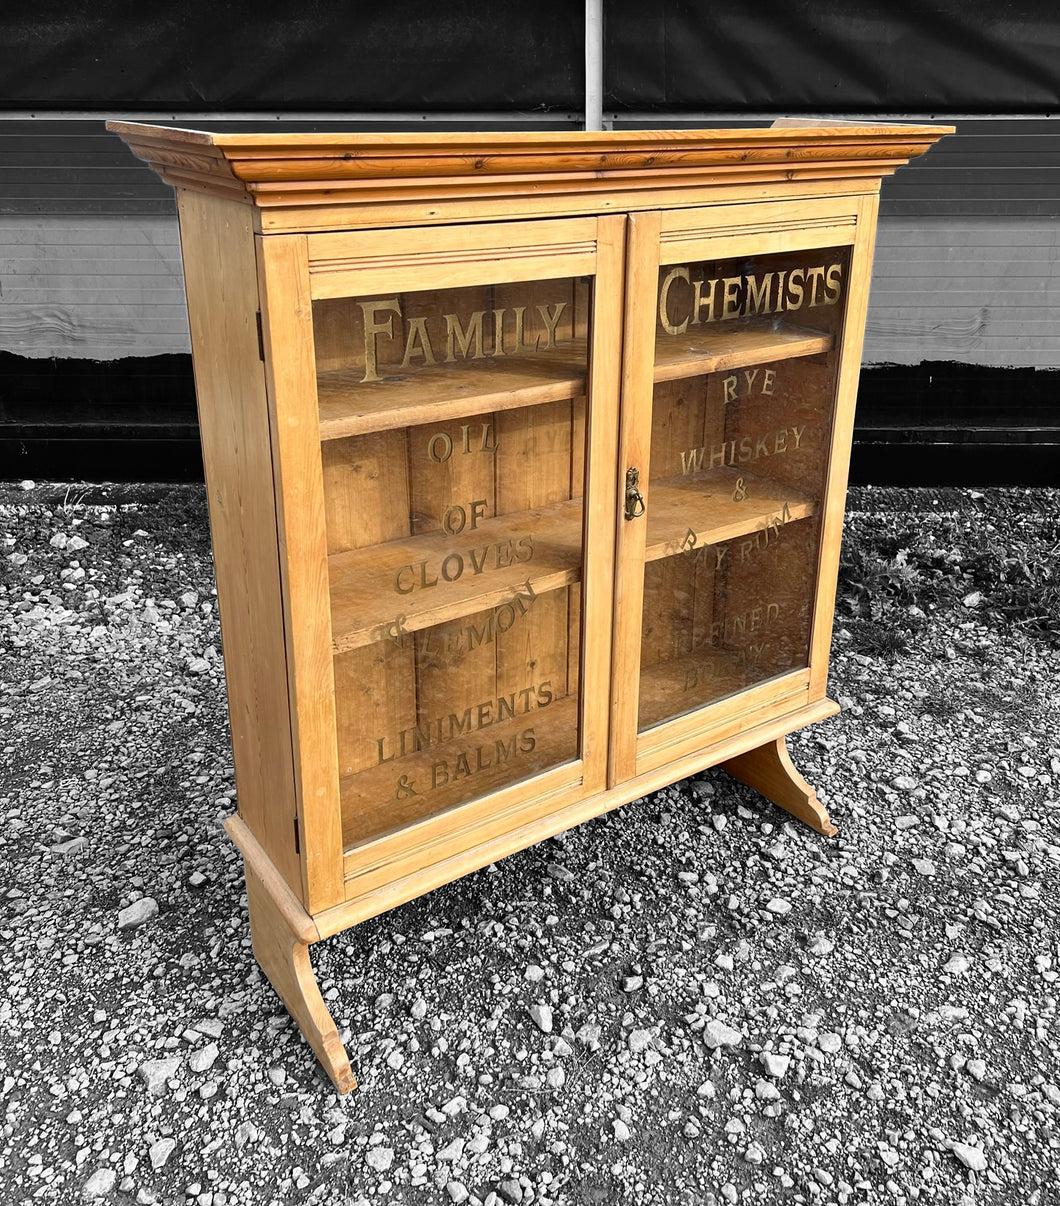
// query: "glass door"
[[456, 413], [729, 434]]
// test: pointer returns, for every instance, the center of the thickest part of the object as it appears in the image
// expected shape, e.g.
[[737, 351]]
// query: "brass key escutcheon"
[[634, 498]]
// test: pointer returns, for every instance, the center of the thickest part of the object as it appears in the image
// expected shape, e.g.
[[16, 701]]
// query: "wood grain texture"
[[238, 457], [769, 770], [429, 737], [284, 958], [291, 375], [493, 834], [839, 453], [638, 368]]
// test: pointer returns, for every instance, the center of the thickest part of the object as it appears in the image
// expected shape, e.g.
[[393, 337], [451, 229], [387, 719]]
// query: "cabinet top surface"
[[300, 170]]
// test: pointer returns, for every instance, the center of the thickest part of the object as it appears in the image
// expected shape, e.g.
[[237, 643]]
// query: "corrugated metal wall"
[[967, 268], [968, 260]]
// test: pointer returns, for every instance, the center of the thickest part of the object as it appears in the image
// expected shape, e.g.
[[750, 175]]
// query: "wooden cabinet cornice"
[[317, 181], [526, 457]]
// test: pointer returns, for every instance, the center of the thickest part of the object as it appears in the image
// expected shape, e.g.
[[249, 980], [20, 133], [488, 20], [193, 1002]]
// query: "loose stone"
[[203, 1059], [541, 1016], [380, 1158], [139, 912], [155, 1073], [161, 1151], [99, 1184], [717, 1034], [971, 1157], [775, 1065]]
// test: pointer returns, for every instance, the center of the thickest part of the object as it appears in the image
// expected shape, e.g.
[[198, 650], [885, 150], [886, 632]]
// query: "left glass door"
[[454, 440]]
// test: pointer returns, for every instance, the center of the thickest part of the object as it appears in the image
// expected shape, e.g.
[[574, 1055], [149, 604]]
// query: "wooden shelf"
[[669, 689], [701, 505], [721, 346], [369, 804], [365, 580], [348, 406]]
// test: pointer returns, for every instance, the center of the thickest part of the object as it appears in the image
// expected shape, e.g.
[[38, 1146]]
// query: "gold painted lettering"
[[550, 316], [372, 328], [418, 343], [498, 332], [480, 636], [768, 377], [404, 590], [692, 462], [464, 338], [730, 301], [451, 575], [489, 439], [750, 375], [699, 301], [520, 344], [797, 433], [832, 284], [780, 441], [675, 274], [729, 386], [816, 276], [758, 295], [796, 293], [440, 440]]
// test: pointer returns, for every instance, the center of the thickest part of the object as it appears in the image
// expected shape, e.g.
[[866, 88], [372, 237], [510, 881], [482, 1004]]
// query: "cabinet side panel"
[[221, 281], [842, 435]]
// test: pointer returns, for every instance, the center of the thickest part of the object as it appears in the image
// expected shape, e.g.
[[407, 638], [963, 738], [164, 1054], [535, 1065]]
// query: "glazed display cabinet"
[[526, 458]]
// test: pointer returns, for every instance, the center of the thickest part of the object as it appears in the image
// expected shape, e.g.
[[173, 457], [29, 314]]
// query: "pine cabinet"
[[526, 459]]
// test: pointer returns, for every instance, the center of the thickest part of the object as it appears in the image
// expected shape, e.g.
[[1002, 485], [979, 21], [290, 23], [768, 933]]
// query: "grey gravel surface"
[[691, 1000]]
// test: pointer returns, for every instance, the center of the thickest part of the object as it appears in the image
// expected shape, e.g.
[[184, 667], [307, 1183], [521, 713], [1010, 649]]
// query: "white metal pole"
[[594, 65]]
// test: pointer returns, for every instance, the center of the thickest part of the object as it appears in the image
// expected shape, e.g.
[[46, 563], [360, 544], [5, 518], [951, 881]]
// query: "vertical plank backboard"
[[217, 237], [287, 326], [366, 501]]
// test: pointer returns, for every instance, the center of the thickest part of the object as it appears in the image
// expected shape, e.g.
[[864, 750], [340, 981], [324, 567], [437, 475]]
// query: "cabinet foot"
[[284, 958], [769, 770]]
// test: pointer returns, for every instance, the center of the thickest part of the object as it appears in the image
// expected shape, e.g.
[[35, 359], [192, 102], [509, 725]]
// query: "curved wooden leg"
[[769, 770], [284, 958]]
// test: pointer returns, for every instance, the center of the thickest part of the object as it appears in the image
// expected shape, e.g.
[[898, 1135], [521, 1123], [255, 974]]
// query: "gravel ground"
[[690, 1000]]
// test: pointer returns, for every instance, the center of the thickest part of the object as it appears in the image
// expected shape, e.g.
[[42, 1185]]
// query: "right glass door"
[[726, 480]]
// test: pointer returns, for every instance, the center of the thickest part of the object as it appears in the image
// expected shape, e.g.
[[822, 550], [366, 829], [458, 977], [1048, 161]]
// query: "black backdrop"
[[726, 56]]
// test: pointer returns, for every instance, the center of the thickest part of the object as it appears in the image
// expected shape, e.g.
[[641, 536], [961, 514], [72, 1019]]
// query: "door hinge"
[[261, 338], [297, 840]]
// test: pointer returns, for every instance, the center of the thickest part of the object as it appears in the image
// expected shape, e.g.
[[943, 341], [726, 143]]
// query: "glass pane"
[[453, 484], [745, 372]]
